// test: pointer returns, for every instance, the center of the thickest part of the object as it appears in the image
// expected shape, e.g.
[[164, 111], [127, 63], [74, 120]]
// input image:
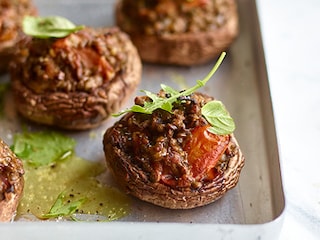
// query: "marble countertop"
[[291, 37]]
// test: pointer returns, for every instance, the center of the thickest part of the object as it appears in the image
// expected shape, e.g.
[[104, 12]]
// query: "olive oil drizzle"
[[73, 182]]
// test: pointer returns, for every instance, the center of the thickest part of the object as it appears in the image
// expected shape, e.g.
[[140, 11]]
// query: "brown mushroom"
[[75, 82], [171, 159], [179, 32], [11, 14], [11, 182]]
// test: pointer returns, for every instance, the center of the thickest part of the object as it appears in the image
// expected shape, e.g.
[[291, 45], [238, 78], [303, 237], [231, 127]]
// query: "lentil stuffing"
[[157, 17], [82, 61]]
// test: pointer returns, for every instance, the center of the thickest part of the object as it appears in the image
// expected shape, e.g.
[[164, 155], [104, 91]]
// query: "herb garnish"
[[62, 208], [42, 148], [218, 117], [214, 111], [48, 27]]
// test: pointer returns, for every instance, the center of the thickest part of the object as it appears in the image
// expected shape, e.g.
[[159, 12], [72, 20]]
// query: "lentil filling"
[[158, 17], [82, 61], [174, 149]]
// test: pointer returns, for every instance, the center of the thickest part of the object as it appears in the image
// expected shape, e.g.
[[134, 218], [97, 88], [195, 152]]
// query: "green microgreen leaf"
[[42, 148], [218, 117], [166, 103], [137, 108], [154, 97], [48, 27], [169, 90], [63, 208]]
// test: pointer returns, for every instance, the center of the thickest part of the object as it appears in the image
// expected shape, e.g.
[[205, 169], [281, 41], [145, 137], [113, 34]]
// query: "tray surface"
[[242, 84]]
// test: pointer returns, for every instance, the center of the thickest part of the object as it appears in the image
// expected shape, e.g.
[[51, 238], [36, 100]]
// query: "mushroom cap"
[[11, 182]]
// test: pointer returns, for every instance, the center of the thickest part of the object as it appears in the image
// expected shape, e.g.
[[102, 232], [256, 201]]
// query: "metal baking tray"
[[252, 210]]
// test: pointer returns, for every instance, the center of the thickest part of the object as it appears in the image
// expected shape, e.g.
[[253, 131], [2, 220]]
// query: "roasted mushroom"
[[77, 81], [172, 159], [180, 32], [11, 182], [11, 14]]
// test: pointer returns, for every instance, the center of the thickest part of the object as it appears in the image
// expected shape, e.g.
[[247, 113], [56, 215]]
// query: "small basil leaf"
[[61, 208], [48, 27], [218, 117], [42, 148]]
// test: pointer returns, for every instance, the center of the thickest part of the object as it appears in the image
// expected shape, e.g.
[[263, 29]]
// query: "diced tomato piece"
[[204, 151]]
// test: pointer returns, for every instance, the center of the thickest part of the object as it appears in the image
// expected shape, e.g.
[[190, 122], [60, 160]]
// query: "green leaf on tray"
[[63, 208], [48, 27], [42, 148]]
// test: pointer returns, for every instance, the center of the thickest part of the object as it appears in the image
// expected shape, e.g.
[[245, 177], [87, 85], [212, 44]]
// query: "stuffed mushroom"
[[77, 81], [177, 157], [11, 182], [179, 32]]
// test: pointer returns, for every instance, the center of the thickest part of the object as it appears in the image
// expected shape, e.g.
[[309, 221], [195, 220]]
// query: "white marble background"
[[291, 35]]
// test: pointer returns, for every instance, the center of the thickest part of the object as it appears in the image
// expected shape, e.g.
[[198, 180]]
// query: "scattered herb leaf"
[[218, 117], [48, 27], [166, 103], [43, 148], [63, 208]]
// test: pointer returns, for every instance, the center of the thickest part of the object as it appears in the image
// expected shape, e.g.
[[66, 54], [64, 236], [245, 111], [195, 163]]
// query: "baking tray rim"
[[119, 230]]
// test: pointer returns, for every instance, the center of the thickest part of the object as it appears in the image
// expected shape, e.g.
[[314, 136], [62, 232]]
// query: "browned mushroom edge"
[[11, 182]]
